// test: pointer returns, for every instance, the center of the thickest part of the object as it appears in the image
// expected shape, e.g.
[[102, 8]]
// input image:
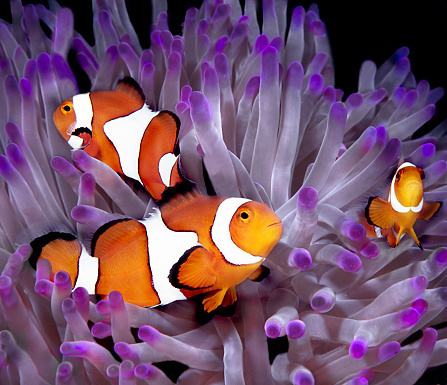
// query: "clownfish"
[[395, 217], [189, 245], [118, 128]]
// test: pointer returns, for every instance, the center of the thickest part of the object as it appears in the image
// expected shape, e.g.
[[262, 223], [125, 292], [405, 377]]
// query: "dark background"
[[358, 30]]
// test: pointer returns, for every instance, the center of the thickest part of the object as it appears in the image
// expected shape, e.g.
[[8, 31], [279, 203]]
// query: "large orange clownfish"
[[190, 245], [395, 217], [118, 128]]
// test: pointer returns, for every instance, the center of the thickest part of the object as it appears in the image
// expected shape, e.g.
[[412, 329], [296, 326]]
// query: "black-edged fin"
[[226, 309], [429, 209], [39, 244], [176, 149], [131, 87], [194, 270], [229, 303], [378, 212], [179, 194], [213, 300], [259, 274], [101, 230], [62, 250]]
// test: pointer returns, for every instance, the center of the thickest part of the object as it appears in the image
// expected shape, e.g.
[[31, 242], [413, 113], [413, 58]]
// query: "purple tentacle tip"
[[44, 287], [420, 282], [295, 329], [388, 350], [115, 298], [80, 157], [82, 213], [127, 370], [355, 100], [354, 231], [408, 317], [5, 285], [44, 64], [323, 301], [307, 198], [65, 370], [316, 84], [88, 182], [378, 95], [441, 257], [403, 65], [349, 261], [358, 348], [303, 378], [101, 330], [121, 348], [359, 381], [73, 349], [370, 250], [200, 108], [272, 329], [420, 305], [146, 371], [68, 306], [338, 113], [428, 150], [80, 294], [103, 307], [62, 280], [300, 259], [149, 334]]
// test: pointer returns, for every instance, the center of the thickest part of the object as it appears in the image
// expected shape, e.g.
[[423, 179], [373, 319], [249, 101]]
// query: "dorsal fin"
[[129, 86], [184, 208], [179, 194]]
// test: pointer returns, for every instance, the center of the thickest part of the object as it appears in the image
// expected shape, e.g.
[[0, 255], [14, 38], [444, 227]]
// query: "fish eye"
[[66, 109], [423, 175], [398, 175], [244, 215]]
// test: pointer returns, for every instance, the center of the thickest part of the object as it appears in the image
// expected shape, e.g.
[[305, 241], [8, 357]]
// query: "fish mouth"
[[85, 134], [274, 224]]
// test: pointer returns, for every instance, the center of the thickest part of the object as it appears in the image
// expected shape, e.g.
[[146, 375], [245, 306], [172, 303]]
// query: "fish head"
[[408, 186], [255, 228], [74, 124]]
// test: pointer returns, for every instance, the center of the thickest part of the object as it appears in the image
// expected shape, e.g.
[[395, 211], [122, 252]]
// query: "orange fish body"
[[119, 129], [397, 216], [191, 245]]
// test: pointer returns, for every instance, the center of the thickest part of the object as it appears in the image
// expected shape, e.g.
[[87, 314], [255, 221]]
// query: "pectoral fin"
[[429, 209], [259, 274], [194, 270], [379, 213]]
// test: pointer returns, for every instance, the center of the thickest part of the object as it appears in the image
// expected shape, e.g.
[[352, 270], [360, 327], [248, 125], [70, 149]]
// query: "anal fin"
[[214, 299]]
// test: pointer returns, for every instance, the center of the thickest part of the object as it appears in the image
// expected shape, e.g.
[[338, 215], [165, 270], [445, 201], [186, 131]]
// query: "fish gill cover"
[[261, 118]]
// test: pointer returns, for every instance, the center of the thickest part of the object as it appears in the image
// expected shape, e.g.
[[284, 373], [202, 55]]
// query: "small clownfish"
[[192, 244], [119, 129], [395, 217]]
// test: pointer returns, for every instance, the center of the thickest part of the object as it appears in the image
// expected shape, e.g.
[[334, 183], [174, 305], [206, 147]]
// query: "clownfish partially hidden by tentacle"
[[395, 217], [118, 128], [192, 244]]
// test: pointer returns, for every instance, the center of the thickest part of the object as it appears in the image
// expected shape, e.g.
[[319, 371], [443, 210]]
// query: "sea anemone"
[[260, 118]]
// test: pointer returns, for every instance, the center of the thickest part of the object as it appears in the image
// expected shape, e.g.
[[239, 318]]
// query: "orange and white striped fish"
[[118, 128], [395, 217], [192, 244]]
